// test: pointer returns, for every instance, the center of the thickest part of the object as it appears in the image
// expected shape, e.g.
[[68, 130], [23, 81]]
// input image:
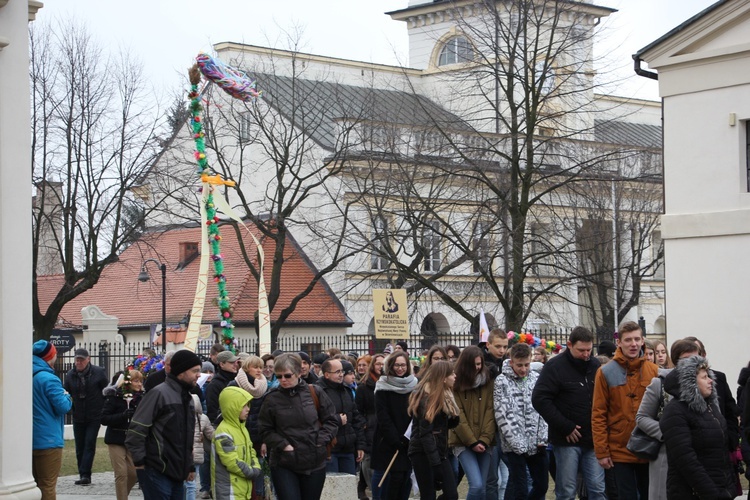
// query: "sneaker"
[[84, 481], [206, 494]]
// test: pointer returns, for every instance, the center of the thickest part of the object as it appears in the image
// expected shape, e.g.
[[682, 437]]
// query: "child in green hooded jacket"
[[235, 465]]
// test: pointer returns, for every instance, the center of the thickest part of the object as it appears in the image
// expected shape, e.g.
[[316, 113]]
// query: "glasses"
[[284, 375], [337, 372], [438, 358], [399, 365]]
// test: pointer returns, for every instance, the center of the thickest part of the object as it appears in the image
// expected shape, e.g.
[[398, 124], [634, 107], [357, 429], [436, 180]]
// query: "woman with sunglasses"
[[472, 441], [391, 404], [297, 421], [434, 411]]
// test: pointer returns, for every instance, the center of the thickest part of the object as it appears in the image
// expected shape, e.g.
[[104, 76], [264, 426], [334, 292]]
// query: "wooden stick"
[[387, 470]]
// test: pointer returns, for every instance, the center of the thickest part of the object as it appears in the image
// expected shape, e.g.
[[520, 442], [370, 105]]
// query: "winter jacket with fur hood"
[[522, 430], [695, 434]]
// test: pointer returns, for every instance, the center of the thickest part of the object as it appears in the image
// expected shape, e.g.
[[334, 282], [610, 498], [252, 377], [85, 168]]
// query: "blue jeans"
[[538, 469], [570, 460], [632, 481], [290, 485], [204, 471], [157, 486], [85, 436], [342, 462], [476, 467]]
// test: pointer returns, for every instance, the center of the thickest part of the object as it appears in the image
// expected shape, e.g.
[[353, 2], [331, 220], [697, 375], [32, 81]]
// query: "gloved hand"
[[437, 477], [255, 473], [129, 413], [403, 444]]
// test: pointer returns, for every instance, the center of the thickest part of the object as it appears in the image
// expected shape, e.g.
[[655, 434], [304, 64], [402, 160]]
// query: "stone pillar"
[[101, 330], [99, 326], [16, 338]]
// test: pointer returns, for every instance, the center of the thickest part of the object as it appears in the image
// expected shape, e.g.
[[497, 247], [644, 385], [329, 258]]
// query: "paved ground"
[[102, 487], [103, 484]]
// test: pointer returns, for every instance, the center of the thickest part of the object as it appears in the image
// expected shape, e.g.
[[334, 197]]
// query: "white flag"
[[484, 330]]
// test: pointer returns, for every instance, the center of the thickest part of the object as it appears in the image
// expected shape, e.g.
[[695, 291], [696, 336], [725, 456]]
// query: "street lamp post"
[[143, 277]]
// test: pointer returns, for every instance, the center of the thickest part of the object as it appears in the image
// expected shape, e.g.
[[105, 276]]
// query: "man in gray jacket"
[[160, 436]]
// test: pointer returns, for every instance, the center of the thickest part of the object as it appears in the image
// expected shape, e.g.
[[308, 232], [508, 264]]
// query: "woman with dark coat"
[[391, 406], [695, 434], [120, 401], [296, 422], [365, 400], [434, 410]]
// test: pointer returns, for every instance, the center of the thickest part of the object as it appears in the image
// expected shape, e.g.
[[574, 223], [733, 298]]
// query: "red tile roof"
[[119, 293]]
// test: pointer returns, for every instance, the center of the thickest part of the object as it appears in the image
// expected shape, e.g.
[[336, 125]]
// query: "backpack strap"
[[314, 396]]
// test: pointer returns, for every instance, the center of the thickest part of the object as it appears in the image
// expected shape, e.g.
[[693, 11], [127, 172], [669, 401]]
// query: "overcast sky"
[[167, 34]]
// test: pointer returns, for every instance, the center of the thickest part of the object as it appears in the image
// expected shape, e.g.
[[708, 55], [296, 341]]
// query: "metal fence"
[[115, 356]]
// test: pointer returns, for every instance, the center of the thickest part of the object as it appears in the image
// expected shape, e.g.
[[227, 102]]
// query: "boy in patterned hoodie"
[[523, 432], [234, 464]]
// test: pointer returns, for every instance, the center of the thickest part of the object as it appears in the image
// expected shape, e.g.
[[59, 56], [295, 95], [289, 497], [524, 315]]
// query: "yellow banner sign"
[[391, 314]]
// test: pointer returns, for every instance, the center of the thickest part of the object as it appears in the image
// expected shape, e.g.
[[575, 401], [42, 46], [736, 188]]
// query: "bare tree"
[[477, 206], [93, 133], [618, 241], [284, 152]]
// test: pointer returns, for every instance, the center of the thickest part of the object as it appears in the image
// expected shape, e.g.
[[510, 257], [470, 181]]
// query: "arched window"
[[456, 50]]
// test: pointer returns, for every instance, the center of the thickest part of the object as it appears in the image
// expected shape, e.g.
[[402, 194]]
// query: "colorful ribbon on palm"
[[239, 86]]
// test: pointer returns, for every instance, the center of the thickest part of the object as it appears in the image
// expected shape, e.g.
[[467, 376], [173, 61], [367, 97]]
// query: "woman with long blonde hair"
[[434, 411]]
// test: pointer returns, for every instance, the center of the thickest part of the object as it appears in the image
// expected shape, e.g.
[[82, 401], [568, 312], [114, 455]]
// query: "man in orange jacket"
[[618, 390]]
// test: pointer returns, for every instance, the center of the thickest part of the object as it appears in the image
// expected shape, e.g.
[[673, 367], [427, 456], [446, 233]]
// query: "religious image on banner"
[[390, 314]]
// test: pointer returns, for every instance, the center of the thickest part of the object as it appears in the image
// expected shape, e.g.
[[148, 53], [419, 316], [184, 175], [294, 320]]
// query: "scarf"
[[399, 385], [450, 407], [257, 388], [480, 380]]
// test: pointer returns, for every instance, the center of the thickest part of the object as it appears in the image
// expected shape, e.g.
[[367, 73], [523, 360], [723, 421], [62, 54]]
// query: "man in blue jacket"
[[51, 402]]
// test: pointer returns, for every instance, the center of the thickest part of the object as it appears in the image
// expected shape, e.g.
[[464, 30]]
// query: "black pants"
[[426, 479], [632, 481]]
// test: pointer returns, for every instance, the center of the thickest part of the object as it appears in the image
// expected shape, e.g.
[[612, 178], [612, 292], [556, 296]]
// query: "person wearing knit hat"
[[162, 452], [388, 349], [306, 373], [183, 360], [50, 404], [402, 344]]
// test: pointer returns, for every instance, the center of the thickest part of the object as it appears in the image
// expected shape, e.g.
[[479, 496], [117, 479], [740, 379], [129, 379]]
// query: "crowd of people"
[[636, 421]]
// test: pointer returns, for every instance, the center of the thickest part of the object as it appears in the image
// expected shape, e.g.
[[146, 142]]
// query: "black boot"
[[85, 480]]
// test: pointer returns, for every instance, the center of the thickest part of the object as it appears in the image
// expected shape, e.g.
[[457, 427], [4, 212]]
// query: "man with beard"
[[563, 396], [161, 432]]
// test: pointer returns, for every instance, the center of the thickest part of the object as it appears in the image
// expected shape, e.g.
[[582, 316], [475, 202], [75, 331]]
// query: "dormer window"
[[456, 50], [188, 253]]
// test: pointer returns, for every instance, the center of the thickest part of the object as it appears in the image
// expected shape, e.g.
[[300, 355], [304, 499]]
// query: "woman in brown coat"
[[473, 439]]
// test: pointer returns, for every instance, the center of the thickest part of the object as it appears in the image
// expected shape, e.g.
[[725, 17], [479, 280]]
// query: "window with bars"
[[379, 244], [245, 127], [431, 244], [456, 50], [481, 246]]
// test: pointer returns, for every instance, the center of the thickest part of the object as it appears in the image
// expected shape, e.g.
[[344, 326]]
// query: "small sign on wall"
[[391, 314]]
